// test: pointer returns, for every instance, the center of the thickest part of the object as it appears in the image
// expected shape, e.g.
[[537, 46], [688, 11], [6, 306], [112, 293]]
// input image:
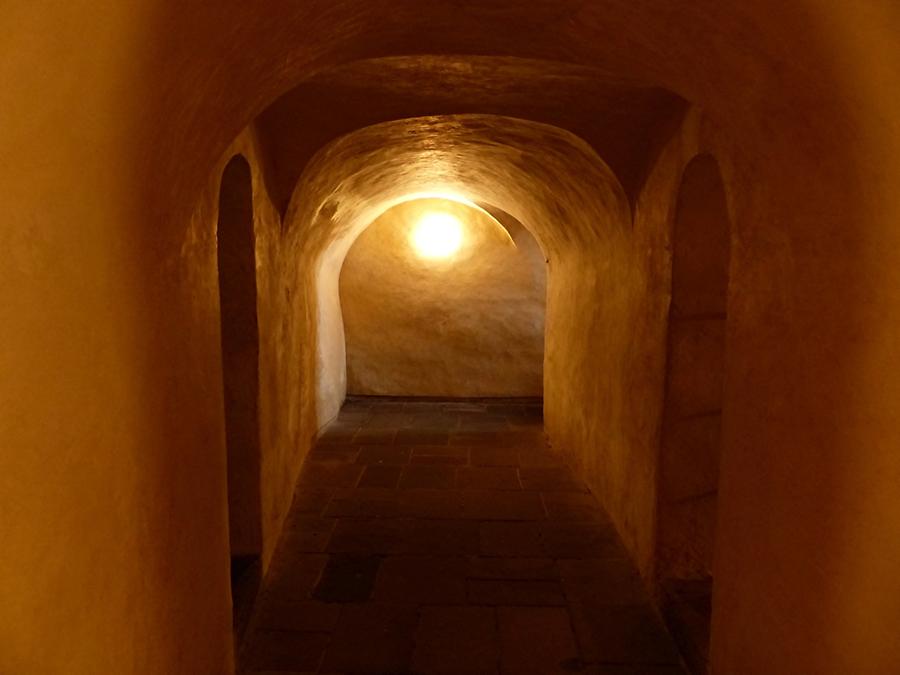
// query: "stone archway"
[[471, 318], [691, 442], [236, 253]]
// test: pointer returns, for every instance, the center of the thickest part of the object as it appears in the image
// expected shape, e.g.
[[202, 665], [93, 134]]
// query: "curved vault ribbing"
[[545, 177], [621, 119]]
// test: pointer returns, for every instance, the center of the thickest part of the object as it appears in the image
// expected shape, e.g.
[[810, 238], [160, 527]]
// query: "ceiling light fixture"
[[437, 235]]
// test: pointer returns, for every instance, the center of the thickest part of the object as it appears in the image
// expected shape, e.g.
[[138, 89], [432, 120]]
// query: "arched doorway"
[[692, 416], [240, 374], [465, 322]]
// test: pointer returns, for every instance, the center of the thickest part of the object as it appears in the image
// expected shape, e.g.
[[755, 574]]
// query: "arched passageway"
[[691, 443], [381, 459], [439, 299], [236, 258], [577, 119], [447, 537]]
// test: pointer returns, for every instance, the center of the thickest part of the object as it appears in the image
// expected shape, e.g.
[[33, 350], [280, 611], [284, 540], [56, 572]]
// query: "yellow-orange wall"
[[112, 119]]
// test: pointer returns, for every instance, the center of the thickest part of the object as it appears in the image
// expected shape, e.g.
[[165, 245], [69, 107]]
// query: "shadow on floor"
[[687, 608], [245, 585], [446, 537]]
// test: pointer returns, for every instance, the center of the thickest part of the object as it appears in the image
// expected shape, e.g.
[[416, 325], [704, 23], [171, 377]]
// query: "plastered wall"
[[691, 440], [470, 324], [362, 174], [114, 118], [285, 424], [236, 264]]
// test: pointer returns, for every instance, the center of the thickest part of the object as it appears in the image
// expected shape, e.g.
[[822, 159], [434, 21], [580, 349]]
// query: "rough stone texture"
[[570, 96], [436, 587], [468, 325], [282, 441], [236, 261], [116, 119], [490, 161], [691, 442]]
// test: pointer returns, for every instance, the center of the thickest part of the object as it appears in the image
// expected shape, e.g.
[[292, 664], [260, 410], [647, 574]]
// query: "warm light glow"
[[437, 235]]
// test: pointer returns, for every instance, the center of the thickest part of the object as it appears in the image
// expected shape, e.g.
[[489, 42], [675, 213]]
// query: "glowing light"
[[437, 235]]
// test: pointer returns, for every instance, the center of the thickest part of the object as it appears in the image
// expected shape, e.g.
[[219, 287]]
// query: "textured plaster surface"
[[452, 565], [115, 117], [471, 324], [483, 158], [280, 443], [620, 118], [236, 263]]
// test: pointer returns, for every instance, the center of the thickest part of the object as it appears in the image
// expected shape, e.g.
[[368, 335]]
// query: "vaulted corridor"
[[394, 337], [447, 538]]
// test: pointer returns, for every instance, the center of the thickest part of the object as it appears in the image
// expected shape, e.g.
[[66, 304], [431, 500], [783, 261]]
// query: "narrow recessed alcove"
[[691, 443], [441, 300], [236, 252]]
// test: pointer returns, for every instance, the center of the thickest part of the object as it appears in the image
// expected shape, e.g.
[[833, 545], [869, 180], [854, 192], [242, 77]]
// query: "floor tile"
[[510, 539], [604, 581], [512, 568], [431, 420], [453, 537], [539, 459], [421, 580], [490, 456], [337, 434], [304, 616], [347, 578], [383, 454], [333, 454], [631, 634], [429, 477], [441, 504], [476, 438], [380, 476], [550, 479], [381, 419], [310, 501], [580, 539], [522, 592], [292, 577], [375, 436], [501, 505], [488, 478], [364, 503], [456, 641], [373, 536], [307, 534], [572, 506], [440, 454], [286, 651], [644, 669], [437, 537], [421, 437], [372, 638], [536, 640], [322, 475], [478, 421], [528, 440]]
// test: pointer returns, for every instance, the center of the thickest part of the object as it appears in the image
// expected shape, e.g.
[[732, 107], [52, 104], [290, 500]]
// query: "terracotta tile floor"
[[447, 538]]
